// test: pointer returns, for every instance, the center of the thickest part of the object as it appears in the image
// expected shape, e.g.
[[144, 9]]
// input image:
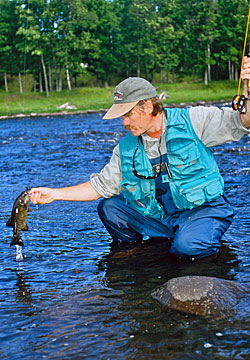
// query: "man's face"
[[138, 120]]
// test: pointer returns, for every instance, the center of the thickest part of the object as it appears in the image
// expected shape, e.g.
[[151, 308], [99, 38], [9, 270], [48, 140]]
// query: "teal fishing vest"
[[195, 175]]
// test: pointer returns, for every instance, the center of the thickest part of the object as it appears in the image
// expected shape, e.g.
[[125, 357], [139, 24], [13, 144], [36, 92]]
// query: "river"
[[78, 296]]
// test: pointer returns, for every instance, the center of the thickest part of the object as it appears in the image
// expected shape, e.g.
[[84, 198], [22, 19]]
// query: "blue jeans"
[[191, 233]]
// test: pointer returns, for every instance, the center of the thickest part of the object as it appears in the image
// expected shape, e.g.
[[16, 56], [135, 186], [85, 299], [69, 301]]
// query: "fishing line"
[[239, 101], [244, 49]]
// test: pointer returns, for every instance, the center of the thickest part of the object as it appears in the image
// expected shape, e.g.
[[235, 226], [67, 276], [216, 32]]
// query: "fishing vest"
[[195, 175]]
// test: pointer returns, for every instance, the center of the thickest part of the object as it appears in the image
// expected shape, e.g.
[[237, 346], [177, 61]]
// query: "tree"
[[10, 57], [114, 39], [169, 37]]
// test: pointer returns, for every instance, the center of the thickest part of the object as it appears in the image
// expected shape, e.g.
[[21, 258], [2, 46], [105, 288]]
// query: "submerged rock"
[[202, 295]]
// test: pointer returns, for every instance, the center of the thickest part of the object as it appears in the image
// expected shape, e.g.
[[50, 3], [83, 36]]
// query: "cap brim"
[[118, 110]]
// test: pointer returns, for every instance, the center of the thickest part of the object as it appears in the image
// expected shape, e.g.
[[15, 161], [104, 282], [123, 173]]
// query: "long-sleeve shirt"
[[212, 125]]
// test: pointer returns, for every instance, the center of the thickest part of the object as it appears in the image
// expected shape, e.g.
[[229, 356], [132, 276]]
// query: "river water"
[[76, 295]]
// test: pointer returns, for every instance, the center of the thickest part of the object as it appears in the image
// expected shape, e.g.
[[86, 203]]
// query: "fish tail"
[[16, 240]]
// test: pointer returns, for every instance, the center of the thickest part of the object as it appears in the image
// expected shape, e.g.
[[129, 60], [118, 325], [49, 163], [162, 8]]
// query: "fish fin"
[[10, 222], [16, 241], [25, 228]]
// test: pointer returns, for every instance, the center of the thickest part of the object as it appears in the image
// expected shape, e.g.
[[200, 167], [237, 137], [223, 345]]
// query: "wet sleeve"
[[215, 126], [107, 182]]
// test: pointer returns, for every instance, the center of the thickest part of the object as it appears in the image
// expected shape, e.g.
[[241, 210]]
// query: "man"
[[162, 180]]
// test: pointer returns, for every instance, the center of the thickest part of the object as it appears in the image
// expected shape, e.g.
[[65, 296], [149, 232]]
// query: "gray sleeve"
[[107, 182], [215, 126]]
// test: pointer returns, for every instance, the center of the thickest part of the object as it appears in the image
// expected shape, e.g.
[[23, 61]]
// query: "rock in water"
[[202, 295]]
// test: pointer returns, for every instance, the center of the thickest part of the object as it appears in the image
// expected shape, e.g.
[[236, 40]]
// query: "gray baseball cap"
[[127, 94]]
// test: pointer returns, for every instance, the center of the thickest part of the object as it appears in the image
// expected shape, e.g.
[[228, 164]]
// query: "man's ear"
[[148, 107]]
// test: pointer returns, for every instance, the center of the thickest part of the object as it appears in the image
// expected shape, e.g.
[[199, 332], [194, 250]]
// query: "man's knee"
[[107, 207], [118, 219], [196, 248], [199, 237], [104, 207]]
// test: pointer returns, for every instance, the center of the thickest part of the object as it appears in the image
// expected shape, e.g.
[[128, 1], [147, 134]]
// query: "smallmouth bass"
[[18, 217]]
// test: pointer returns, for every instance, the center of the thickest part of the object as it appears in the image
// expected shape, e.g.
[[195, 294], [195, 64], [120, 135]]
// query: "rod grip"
[[245, 88]]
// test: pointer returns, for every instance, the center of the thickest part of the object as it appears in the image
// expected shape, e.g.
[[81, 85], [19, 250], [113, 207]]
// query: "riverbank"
[[87, 100], [67, 112]]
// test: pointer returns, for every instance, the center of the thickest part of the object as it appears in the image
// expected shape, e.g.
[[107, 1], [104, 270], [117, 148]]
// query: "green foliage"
[[113, 39]]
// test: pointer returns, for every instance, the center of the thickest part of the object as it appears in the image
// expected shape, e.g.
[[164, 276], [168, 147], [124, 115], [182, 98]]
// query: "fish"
[[18, 217]]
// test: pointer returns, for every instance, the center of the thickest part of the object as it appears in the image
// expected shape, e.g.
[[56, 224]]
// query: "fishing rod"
[[239, 102]]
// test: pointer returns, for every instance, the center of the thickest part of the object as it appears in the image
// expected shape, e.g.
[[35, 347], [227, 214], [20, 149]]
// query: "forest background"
[[51, 45]]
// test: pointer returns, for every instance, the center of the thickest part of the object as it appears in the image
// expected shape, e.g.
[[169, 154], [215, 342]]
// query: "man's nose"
[[125, 121]]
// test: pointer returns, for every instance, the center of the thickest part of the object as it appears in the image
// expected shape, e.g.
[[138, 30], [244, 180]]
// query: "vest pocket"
[[211, 191], [132, 191], [198, 194], [140, 198], [190, 198], [186, 160], [137, 190], [195, 197]]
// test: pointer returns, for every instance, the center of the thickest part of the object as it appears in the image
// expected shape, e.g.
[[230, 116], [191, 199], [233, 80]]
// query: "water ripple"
[[77, 295]]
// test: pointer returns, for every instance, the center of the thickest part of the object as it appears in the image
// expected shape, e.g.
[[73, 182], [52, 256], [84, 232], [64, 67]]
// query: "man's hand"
[[245, 75], [41, 195]]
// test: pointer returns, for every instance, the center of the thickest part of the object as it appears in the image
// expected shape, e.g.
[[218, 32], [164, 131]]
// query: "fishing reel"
[[239, 103]]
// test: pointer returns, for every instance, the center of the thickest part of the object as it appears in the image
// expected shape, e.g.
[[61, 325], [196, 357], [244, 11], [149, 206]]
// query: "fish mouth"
[[26, 195], [27, 191]]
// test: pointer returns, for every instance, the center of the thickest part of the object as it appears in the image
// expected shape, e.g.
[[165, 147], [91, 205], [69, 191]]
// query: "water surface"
[[78, 296]]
